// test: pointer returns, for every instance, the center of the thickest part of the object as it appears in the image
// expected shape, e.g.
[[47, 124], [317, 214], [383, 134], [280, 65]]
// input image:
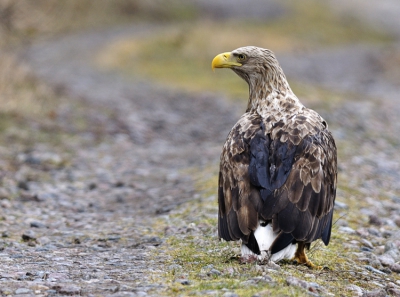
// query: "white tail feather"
[[265, 236]]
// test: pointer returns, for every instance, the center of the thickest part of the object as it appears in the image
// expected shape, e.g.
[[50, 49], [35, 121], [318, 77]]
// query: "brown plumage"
[[278, 167]]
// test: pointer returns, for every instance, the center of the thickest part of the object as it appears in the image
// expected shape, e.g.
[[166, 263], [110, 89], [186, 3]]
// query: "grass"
[[22, 96], [195, 252], [181, 54]]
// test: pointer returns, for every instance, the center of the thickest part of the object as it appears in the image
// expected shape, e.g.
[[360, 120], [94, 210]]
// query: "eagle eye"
[[241, 57]]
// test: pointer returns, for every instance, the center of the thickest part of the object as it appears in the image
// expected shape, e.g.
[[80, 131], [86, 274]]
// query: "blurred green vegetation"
[[25, 21], [180, 55], [192, 255]]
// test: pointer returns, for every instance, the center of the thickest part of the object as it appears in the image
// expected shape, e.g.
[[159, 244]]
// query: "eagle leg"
[[301, 258]]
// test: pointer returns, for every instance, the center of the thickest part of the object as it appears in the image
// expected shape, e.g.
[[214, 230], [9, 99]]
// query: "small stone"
[[36, 224], [375, 220], [292, 281], [374, 232], [22, 291], [247, 283], [230, 294], [340, 205], [389, 246], [372, 269], [397, 221], [56, 276], [68, 290], [367, 243], [40, 288], [362, 232], [393, 292], [92, 186], [375, 293], [386, 260], [366, 249], [6, 291], [387, 233], [214, 272], [356, 289], [209, 292], [23, 185], [346, 230], [3, 194], [183, 281], [309, 275], [40, 197], [28, 235], [175, 267], [395, 268], [4, 203]]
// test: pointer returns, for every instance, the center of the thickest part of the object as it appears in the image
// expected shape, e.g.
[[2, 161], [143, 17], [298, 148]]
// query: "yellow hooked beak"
[[224, 60]]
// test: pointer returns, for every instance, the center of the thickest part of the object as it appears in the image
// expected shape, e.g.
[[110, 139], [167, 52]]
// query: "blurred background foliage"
[[178, 55]]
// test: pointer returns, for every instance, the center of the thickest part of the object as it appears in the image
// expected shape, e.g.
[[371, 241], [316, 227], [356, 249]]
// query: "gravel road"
[[82, 220]]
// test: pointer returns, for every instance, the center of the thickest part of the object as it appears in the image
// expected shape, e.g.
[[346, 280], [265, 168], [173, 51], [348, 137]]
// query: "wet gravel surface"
[[81, 221], [78, 218]]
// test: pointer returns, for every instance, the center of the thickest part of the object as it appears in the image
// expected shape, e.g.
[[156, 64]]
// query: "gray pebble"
[[36, 224], [28, 235], [22, 291], [372, 269], [397, 221], [183, 281], [356, 289], [386, 260], [362, 232], [5, 203], [69, 290], [340, 205], [44, 196], [375, 293], [393, 292], [209, 292], [346, 230], [230, 294], [250, 282], [367, 243], [214, 272], [293, 281], [375, 220], [175, 267], [390, 245], [395, 268], [3, 194], [374, 232]]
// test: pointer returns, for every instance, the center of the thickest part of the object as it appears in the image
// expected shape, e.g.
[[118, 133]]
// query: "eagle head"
[[250, 63]]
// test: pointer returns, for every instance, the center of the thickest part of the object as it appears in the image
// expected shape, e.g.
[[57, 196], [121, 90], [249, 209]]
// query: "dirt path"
[[87, 209]]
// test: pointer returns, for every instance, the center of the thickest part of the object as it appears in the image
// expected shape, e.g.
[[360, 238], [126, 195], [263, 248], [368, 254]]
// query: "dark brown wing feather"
[[286, 175]]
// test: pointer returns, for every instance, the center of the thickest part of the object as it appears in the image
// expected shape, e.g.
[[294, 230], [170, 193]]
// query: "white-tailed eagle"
[[278, 170]]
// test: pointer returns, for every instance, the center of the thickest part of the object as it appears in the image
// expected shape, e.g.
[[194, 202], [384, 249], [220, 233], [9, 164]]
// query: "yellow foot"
[[300, 257], [307, 263]]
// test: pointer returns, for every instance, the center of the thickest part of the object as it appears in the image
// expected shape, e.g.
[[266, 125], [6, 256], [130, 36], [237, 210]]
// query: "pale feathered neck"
[[270, 90]]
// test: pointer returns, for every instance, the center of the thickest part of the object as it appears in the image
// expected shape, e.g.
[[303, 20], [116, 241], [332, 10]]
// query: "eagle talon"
[[300, 258]]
